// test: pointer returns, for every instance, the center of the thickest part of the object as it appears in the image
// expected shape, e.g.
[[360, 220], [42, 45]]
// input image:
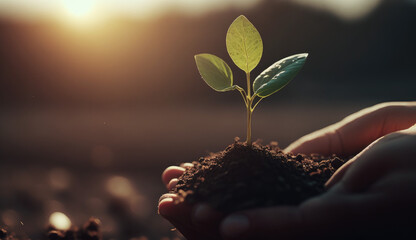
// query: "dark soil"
[[89, 231], [243, 177]]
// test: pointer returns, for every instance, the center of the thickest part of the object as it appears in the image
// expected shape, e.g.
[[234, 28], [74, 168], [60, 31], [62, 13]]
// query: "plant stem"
[[255, 105], [243, 94], [249, 111]]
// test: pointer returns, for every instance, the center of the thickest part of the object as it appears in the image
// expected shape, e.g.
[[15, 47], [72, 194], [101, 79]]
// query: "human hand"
[[358, 130], [341, 206], [193, 221], [372, 194]]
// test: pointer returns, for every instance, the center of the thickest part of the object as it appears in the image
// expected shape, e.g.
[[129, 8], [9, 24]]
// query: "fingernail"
[[187, 165], [167, 195], [172, 183], [167, 199], [201, 213], [234, 226]]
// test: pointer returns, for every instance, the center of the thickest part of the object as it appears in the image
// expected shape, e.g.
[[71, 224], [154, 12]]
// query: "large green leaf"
[[244, 44], [215, 72], [278, 75]]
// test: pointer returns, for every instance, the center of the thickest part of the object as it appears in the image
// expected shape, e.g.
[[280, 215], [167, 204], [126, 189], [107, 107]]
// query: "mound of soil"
[[243, 177]]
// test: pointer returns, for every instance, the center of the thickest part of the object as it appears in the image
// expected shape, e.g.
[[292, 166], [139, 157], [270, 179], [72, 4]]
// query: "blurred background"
[[99, 96]]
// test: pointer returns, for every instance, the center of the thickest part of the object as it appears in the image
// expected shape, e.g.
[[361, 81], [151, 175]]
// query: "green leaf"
[[278, 75], [215, 72], [244, 44]]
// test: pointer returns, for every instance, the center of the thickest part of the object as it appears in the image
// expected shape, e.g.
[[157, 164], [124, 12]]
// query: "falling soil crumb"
[[243, 177]]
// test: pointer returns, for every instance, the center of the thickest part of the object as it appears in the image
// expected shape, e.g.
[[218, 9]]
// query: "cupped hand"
[[373, 191], [374, 194], [195, 222]]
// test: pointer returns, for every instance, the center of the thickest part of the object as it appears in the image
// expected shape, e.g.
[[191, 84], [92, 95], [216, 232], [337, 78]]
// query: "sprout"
[[245, 47]]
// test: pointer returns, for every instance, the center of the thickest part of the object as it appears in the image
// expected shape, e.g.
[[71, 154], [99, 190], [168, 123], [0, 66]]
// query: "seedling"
[[245, 47]]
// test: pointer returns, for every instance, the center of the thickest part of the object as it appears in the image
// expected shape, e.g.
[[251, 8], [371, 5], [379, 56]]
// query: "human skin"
[[373, 192]]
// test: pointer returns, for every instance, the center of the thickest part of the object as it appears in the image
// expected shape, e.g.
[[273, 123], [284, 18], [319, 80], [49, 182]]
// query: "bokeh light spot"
[[120, 187], [60, 221]]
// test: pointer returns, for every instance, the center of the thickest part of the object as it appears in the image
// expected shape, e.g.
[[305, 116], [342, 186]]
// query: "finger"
[[376, 158], [339, 174], [356, 131], [262, 223], [326, 141], [334, 211], [172, 184], [170, 173], [167, 195], [186, 165], [391, 152], [170, 210], [179, 214]]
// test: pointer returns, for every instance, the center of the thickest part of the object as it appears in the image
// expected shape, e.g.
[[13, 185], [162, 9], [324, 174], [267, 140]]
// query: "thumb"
[[356, 131], [390, 152], [393, 152]]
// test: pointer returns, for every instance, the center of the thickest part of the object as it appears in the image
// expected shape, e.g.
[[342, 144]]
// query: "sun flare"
[[79, 10]]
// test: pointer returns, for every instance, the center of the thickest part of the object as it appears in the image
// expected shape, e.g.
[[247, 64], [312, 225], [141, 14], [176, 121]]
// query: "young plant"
[[245, 47]]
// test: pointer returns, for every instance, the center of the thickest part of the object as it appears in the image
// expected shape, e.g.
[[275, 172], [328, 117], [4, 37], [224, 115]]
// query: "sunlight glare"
[[79, 10], [83, 12], [345, 9]]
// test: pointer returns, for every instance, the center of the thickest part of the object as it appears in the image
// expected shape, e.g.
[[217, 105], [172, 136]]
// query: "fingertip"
[[178, 213], [170, 206], [165, 206], [187, 165], [172, 183], [167, 195], [303, 145], [291, 149], [325, 141], [171, 172]]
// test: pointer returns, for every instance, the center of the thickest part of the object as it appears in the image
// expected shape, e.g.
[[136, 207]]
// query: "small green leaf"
[[278, 75], [244, 44], [215, 72]]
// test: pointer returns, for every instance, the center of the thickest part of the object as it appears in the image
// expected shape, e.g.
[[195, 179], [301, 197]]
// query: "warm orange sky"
[[104, 8], [93, 10]]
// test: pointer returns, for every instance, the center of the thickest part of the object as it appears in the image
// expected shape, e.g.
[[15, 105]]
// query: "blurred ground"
[[55, 160], [151, 138]]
